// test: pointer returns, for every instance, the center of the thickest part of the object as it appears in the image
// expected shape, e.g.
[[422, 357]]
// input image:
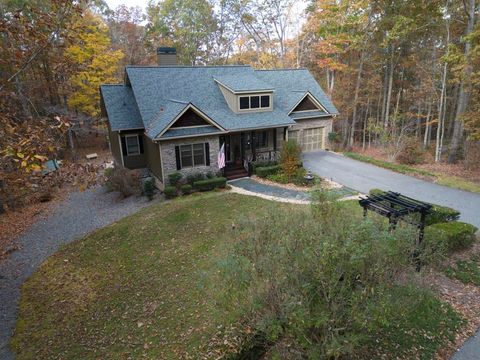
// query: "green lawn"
[[146, 287], [133, 288], [447, 180]]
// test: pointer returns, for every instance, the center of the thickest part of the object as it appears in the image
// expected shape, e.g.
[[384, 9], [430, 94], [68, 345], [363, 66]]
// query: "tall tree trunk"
[[464, 92], [442, 103], [428, 126], [355, 97], [452, 110], [418, 124], [365, 121], [389, 93]]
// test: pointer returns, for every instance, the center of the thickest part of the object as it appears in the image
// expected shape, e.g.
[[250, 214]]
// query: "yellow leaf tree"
[[97, 63]]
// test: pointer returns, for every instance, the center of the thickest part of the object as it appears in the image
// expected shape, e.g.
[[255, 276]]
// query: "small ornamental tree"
[[290, 158]]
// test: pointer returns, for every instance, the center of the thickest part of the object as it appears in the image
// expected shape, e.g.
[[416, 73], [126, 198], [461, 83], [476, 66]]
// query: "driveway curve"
[[363, 177], [76, 216]]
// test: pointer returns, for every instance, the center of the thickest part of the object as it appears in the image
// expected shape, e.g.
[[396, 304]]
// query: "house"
[[170, 118]]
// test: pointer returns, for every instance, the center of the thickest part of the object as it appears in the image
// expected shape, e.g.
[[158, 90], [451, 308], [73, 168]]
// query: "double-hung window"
[[192, 155], [132, 145]]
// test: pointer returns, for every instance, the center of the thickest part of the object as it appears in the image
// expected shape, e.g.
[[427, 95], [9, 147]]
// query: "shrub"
[[210, 184], [186, 189], [376, 192], [263, 163], [210, 175], [149, 188], [439, 214], [290, 157], [194, 177], [280, 178], [442, 214], [299, 177], [174, 178], [268, 170], [108, 172], [411, 152], [126, 182], [170, 192], [333, 137], [450, 236], [325, 288]]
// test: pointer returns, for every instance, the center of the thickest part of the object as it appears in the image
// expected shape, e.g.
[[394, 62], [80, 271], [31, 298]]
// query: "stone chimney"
[[167, 56]]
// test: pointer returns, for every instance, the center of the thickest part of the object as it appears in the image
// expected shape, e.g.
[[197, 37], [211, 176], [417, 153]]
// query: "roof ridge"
[[281, 69], [186, 66], [179, 101]]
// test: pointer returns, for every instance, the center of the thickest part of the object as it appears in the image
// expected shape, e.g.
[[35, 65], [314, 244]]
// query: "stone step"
[[237, 176]]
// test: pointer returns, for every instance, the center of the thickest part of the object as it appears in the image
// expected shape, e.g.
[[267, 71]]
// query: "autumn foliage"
[[290, 158]]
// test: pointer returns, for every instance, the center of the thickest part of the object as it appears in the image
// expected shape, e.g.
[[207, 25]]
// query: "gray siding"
[[154, 162], [230, 98], [114, 142], [170, 162], [135, 161]]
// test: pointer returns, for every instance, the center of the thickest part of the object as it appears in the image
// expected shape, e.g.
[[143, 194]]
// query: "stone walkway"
[[252, 187], [248, 186]]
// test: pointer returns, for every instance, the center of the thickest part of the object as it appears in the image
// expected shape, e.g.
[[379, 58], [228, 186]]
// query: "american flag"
[[221, 157]]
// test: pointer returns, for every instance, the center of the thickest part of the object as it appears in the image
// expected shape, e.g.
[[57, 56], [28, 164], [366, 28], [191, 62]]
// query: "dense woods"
[[405, 75]]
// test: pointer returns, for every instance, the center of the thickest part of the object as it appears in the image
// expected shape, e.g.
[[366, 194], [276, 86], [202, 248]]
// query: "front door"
[[233, 149]]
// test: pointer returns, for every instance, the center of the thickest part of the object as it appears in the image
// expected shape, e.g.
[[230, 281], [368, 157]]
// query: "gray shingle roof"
[[247, 82], [291, 85], [121, 108], [162, 93]]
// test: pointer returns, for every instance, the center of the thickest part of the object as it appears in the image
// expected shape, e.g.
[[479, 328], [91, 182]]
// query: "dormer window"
[[253, 102]]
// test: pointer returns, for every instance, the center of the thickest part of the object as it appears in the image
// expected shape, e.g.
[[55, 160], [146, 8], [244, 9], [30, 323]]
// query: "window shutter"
[[207, 154], [124, 145], [140, 143], [177, 157]]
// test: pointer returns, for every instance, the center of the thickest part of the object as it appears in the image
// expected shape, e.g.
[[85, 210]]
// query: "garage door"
[[312, 139]]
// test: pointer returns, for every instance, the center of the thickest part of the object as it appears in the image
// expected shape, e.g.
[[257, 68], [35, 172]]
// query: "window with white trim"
[[192, 155], [253, 102], [132, 144]]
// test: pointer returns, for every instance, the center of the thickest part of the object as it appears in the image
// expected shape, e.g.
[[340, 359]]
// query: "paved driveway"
[[364, 177], [79, 214]]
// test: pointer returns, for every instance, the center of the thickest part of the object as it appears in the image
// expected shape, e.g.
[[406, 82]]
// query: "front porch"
[[244, 148]]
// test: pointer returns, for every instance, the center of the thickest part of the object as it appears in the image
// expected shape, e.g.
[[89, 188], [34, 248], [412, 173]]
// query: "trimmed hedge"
[[194, 177], [439, 214], [451, 236], [174, 178], [263, 172], [263, 163], [210, 184], [186, 189], [170, 192], [442, 214]]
